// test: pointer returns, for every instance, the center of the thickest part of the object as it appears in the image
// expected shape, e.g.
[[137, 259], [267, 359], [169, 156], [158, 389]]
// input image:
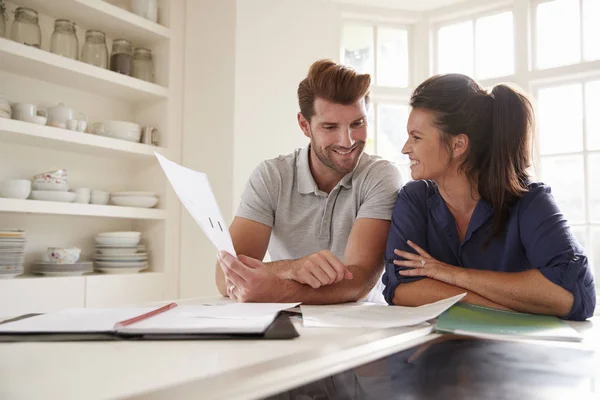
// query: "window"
[[566, 32], [483, 48], [383, 51], [559, 66]]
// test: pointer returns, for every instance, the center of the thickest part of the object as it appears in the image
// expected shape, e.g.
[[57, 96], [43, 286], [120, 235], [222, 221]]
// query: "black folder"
[[281, 328]]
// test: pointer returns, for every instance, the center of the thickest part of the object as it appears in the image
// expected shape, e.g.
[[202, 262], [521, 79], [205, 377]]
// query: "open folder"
[[170, 322]]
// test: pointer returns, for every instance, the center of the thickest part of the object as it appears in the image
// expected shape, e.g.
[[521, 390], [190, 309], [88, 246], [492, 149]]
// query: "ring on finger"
[[422, 263]]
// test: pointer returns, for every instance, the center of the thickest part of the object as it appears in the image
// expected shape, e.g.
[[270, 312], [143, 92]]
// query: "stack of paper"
[[371, 315]]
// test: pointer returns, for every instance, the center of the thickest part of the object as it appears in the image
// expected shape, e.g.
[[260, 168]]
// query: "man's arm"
[[256, 282], [249, 238]]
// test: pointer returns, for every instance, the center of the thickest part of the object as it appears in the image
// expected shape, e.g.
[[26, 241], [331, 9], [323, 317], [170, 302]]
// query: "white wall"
[[277, 41], [243, 62], [208, 117]]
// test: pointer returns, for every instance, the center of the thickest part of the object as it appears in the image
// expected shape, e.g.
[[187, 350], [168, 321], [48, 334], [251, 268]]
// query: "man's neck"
[[325, 177]]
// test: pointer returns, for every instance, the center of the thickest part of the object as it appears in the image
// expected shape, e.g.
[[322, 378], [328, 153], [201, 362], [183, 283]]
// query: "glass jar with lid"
[[25, 28], [121, 56], [3, 19], [95, 51], [143, 66], [64, 40]]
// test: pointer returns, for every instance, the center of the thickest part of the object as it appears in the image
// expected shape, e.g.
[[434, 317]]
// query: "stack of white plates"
[[56, 269], [12, 252], [120, 253], [134, 199]]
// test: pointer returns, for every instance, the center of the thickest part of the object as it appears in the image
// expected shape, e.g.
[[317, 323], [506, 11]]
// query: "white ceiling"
[[413, 5]]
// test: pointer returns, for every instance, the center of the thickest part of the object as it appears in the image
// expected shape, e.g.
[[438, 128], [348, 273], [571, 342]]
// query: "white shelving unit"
[[14, 131], [40, 64], [90, 210], [31, 75]]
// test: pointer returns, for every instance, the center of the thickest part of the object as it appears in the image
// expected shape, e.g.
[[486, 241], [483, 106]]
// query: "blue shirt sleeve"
[[409, 222], [551, 247]]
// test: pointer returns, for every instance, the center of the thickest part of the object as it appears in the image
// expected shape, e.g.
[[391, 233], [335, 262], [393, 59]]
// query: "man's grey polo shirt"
[[282, 194]]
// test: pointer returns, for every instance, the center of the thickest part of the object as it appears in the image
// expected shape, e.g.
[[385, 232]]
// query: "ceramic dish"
[[51, 195], [121, 264], [132, 270], [134, 201]]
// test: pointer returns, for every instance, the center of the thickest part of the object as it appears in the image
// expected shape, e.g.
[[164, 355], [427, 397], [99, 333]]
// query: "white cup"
[[15, 188], [99, 197], [81, 125], [82, 195], [72, 124], [22, 110]]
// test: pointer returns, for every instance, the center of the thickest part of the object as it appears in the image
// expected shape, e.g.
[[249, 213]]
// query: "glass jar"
[[3, 19], [95, 51], [121, 57], [64, 40], [143, 67], [25, 28]]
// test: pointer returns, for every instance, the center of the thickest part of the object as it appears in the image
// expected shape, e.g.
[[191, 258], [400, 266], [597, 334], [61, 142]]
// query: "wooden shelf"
[[29, 134], [90, 210], [39, 64], [108, 18]]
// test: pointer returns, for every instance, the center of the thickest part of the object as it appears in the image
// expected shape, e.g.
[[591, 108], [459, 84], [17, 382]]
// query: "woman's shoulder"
[[419, 191]]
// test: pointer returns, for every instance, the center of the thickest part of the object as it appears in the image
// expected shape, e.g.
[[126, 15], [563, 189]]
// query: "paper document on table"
[[194, 191], [372, 315], [235, 310]]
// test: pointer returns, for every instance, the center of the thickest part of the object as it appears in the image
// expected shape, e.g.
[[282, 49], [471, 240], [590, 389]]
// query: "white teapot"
[[60, 114]]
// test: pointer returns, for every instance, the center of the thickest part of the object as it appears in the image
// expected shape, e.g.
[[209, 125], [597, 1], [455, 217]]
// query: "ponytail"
[[504, 179]]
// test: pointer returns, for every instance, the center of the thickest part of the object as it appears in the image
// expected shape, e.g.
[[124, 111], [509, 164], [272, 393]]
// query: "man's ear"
[[303, 123], [460, 145]]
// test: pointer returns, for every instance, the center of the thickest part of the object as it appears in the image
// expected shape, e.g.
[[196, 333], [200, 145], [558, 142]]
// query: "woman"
[[472, 220]]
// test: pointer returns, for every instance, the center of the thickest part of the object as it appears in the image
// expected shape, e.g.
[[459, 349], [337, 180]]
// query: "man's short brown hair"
[[333, 82]]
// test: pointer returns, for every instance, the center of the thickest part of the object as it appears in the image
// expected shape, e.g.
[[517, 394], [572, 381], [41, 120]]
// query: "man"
[[323, 212]]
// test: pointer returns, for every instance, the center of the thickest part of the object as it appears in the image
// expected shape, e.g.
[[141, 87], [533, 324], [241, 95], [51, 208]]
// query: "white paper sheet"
[[194, 191], [235, 310], [75, 320], [371, 315]]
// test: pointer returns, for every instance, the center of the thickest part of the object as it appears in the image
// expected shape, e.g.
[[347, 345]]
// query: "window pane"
[[558, 39], [580, 233], [370, 146], [391, 132], [594, 186], [455, 48], [592, 114], [392, 57], [357, 48], [591, 30], [560, 119], [494, 46], [594, 253], [565, 175]]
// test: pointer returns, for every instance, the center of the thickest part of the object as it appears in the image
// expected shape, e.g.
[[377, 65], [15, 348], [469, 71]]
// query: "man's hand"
[[317, 269], [249, 280]]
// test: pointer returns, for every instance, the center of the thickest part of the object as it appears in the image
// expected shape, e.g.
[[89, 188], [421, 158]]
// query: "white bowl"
[[35, 119], [143, 194], [15, 188], [53, 195], [117, 241], [51, 175], [120, 234], [57, 185], [134, 201], [123, 130], [117, 251]]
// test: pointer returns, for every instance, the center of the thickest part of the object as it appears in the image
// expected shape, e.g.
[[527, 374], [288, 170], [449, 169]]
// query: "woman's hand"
[[423, 264]]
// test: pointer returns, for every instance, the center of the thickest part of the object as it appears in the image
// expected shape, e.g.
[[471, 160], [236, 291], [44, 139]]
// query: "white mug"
[[22, 110], [82, 195]]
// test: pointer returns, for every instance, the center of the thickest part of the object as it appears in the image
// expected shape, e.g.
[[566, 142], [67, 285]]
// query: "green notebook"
[[471, 320]]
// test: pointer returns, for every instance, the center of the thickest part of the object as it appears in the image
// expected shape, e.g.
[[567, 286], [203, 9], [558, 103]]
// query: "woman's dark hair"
[[499, 126]]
